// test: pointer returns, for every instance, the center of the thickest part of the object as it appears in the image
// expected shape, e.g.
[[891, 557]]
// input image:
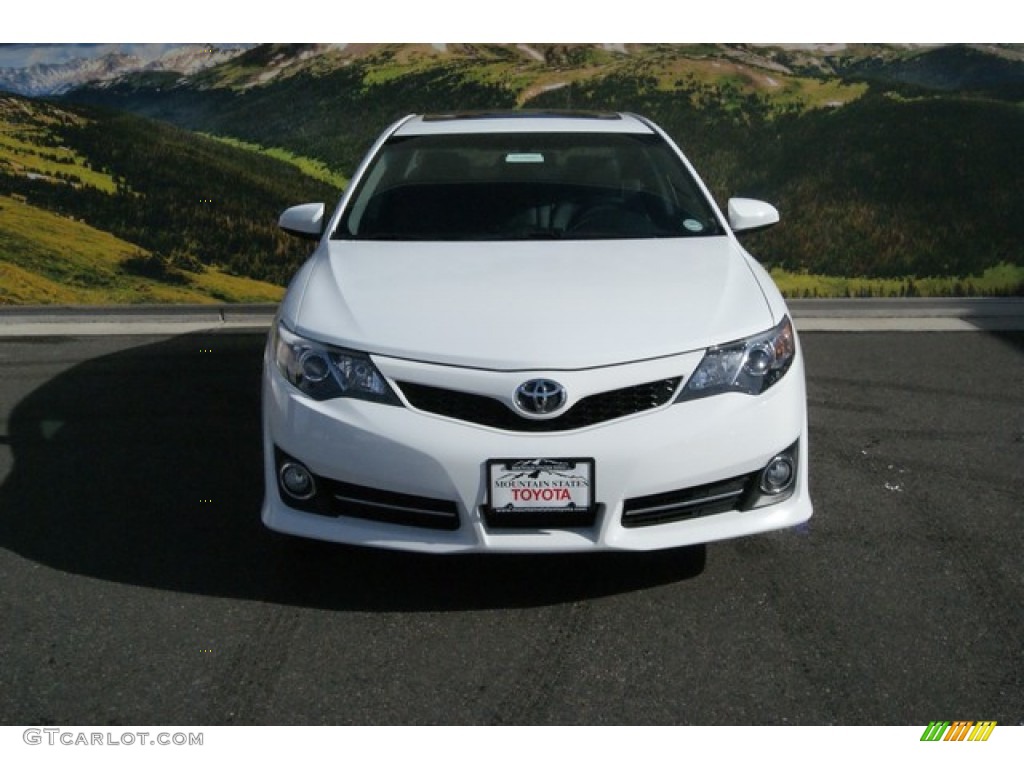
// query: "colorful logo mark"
[[959, 730]]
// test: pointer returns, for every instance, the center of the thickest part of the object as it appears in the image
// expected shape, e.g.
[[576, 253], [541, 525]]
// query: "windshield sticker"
[[524, 157], [693, 225]]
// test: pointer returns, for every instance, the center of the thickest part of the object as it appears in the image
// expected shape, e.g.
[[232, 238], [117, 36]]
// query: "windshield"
[[518, 186]]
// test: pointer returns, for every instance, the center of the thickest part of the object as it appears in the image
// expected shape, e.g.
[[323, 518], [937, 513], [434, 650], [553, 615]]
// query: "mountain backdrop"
[[899, 168], [47, 78]]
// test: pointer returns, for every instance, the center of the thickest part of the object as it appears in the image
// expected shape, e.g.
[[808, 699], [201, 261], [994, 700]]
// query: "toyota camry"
[[531, 332]]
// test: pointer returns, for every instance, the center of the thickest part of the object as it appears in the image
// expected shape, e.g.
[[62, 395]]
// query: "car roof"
[[522, 122]]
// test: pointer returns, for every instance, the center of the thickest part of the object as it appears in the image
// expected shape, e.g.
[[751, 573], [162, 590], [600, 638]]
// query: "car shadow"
[[144, 467]]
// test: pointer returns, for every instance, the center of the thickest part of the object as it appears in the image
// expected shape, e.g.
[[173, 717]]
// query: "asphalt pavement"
[[138, 585]]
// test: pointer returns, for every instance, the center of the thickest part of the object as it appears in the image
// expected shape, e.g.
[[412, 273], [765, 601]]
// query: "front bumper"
[[399, 461]]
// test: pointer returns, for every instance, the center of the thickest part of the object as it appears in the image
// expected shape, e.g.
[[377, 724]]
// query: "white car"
[[529, 332]]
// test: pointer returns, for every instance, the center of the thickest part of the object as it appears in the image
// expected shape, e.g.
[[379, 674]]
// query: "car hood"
[[530, 306]]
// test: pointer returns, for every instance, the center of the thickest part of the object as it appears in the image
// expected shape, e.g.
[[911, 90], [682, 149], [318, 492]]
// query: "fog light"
[[779, 475], [297, 481]]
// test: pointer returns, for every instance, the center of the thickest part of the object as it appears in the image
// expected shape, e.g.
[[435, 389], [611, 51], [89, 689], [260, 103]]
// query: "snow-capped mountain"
[[51, 79]]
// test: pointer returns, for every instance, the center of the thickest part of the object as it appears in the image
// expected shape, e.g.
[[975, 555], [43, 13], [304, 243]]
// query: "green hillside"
[[884, 186], [46, 258], [955, 68], [100, 206], [875, 174], [896, 169], [331, 105], [889, 187]]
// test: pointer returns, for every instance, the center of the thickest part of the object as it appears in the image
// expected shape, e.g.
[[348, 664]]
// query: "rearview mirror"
[[746, 215], [306, 221]]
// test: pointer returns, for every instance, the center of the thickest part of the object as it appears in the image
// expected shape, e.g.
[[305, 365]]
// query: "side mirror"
[[305, 221], [746, 215]]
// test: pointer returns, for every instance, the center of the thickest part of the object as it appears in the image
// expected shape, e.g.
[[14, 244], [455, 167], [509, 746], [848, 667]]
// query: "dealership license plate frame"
[[561, 492]]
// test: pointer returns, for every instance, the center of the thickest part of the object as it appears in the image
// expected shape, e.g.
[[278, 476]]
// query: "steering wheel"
[[597, 217]]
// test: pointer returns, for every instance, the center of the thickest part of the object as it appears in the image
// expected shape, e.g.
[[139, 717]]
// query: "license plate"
[[540, 485]]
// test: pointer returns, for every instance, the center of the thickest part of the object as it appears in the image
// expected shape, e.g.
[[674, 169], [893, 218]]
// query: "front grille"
[[489, 412], [688, 503]]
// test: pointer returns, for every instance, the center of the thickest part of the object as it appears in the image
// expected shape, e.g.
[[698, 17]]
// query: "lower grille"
[[337, 499], [345, 499], [688, 503], [489, 412]]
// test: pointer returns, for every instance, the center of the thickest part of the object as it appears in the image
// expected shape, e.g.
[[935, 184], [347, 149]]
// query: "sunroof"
[[513, 114]]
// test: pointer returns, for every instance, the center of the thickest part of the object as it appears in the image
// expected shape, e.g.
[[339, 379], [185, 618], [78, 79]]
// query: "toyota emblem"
[[540, 396]]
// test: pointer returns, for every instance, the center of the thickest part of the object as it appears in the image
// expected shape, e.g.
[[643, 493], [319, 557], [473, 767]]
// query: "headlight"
[[324, 372], [750, 365]]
